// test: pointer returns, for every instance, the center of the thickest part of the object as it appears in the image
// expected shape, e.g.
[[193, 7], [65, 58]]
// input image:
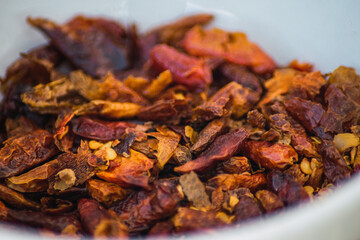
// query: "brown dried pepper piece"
[[17, 199], [234, 47], [55, 205], [167, 143], [246, 208], [207, 111], [143, 209], [186, 70], [308, 113], [66, 223], [132, 171], [108, 88], [181, 155], [98, 222], [299, 138], [270, 156], [234, 181], [161, 228], [224, 147], [241, 75], [99, 129], [269, 200], [208, 135], [164, 111], [256, 119], [288, 83], [243, 99], [105, 192], [235, 164], [87, 43], [23, 152], [194, 190], [35, 180], [335, 167], [289, 191], [107, 109], [3, 212], [298, 175], [123, 148], [188, 219], [74, 169]]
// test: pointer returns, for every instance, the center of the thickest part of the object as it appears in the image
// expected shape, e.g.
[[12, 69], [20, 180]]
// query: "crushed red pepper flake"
[[178, 129]]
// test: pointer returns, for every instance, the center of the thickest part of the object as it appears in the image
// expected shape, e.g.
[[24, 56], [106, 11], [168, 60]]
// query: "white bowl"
[[325, 33]]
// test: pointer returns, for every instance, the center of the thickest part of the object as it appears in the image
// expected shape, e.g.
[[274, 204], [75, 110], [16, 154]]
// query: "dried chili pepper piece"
[[186, 70], [194, 190], [99, 129], [23, 152], [66, 223], [335, 167], [233, 181], [289, 191], [288, 83], [3, 212], [74, 169], [98, 222], [144, 208], [17, 199], [123, 148], [35, 180], [234, 47], [299, 138], [107, 109], [270, 156], [298, 176], [162, 228], [105, 192], [269, 200], [221, 149], [246, 208], [188, 219], [307, 112], [108, 88], [56, 205], [87, 43], [235, 164], [208, 135], [240, 74], [164, 110], [167, 143], [132, 171]]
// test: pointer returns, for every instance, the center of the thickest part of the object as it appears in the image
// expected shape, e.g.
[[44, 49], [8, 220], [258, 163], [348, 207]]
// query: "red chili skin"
[[99, 129], [224, 147], [335, 167], [286, 187], [188, 71]]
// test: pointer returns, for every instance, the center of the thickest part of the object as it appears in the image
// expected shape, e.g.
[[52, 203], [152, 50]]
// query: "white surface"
[[325, 33]]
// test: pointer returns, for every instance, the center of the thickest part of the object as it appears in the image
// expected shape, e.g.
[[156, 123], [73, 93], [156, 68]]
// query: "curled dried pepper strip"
[[234, 47], [99, 129], [224, 147], [87, 44], [186, 70]]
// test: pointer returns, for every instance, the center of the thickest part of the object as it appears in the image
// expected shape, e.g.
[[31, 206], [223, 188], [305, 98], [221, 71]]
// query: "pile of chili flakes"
[[109, 133]]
